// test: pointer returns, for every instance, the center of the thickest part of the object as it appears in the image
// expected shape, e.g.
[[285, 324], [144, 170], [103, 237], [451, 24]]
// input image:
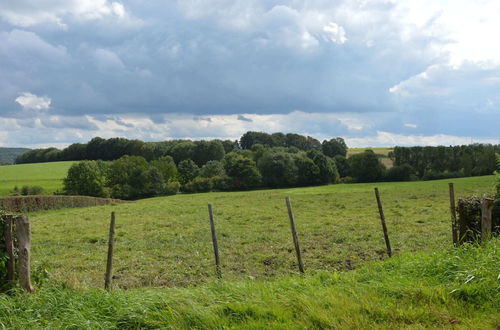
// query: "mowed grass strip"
[[166, 241], [49, 176]]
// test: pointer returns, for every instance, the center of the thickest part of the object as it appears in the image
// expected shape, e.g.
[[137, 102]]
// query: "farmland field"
[[165, 241], [46, 175], [383, 152], [164, 260]]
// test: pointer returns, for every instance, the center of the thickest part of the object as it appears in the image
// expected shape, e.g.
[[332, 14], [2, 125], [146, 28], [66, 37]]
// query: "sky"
[[378, 73]]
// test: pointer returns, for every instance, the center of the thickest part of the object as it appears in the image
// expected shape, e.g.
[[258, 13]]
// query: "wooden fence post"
[[486, 224], [453, 210], [384, 227], [9, 247], [111, 245], [214, 241], [23, 232], [294, 234]]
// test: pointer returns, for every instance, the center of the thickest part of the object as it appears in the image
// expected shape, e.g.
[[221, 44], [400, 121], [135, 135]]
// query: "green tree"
[[328, 172], [188, 170], [308, 171], [278, 169], [205, 151], [167, 168], [342, 166], [366, 167], [334, 147], [212, 168], [86, 178], [242, 170], [128, 177]]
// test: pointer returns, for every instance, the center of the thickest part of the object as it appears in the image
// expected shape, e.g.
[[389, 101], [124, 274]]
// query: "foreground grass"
[[453, 288], [166, 241], [49, 176]]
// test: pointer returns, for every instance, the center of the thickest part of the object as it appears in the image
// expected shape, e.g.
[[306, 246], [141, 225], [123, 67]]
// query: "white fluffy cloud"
[[27, 13], [33, 102]]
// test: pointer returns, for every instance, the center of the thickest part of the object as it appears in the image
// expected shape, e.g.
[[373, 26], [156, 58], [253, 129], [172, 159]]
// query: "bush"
[[222, 183], [346, 179], [431, 175], [198, 184], [31, 190], [172, 187], [399, 173]]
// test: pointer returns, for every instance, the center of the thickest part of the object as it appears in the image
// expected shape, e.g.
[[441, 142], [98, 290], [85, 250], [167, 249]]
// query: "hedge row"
[[41, 202]]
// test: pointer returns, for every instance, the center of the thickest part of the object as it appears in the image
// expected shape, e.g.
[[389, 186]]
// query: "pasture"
[[166, 241], [49, 176]]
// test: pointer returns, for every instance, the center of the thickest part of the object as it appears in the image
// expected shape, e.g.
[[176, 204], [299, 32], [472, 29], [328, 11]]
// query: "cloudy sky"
[[379, 73]]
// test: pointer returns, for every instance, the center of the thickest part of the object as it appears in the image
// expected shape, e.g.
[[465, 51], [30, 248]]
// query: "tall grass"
[[454, 288]]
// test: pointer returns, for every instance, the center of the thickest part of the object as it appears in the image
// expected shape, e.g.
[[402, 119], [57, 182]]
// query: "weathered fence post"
[[486, 224], [23, 232], [9, 247], [384, 227], [294, 235], [111, 245], [453, 211], [214, 241]]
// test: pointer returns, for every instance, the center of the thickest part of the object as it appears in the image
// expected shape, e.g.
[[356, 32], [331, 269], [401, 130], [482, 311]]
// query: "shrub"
[[172, 187], [31, 190], [198, 184], [399, 173], [221, 183], [431, 175]]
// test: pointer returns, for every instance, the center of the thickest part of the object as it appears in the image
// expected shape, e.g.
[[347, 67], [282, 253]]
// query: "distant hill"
[[8, 155]]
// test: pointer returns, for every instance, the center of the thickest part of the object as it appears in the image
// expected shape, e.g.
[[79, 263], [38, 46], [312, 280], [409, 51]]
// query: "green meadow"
[[49, 176], [164, 274], [166, 241]]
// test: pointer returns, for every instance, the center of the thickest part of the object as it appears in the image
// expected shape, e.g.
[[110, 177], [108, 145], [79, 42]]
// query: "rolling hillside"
[[46, 175]]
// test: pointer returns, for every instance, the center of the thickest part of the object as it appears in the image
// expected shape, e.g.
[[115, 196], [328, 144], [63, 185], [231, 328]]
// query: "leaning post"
[[384, 227], [218, 269], [294, 234]]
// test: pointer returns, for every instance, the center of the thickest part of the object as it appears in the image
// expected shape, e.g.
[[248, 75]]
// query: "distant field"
[[165, 241], [47, 175], [380, 151]]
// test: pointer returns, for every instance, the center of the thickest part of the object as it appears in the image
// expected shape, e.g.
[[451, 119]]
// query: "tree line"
[[443, 162], [131, 169]]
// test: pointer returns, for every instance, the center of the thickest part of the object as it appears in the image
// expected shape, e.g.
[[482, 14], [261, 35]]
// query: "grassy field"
[[164, 260], [448, 289], [46, 175], [166, 241]]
